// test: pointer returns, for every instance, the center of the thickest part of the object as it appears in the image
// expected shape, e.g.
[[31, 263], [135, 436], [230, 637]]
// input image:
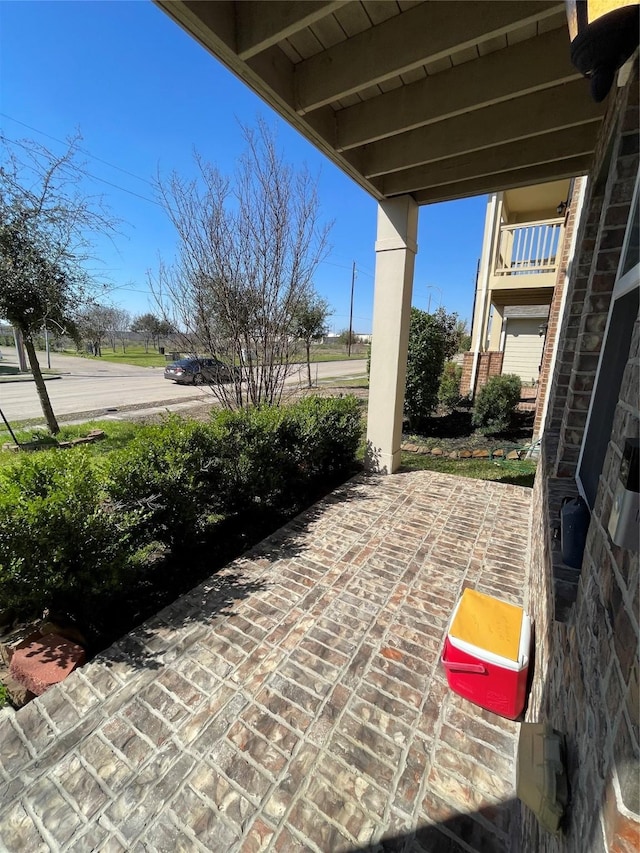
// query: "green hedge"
[[76, 527], [271, 456], [496, 403], [449, 391], [167, 476], [61, 544]]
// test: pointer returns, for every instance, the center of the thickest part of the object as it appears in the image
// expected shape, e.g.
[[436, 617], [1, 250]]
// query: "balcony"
[[525, 250]]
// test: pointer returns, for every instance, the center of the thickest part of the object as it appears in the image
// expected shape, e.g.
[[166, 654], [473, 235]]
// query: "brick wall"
[[489, 364], [553, 326], [587, 621]]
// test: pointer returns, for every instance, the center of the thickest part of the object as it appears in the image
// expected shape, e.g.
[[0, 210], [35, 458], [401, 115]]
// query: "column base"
[[377, 462]]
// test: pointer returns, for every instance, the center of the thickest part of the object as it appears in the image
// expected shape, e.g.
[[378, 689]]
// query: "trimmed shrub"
[[496, 403], [77, 529], [258, 456], [270, 455], [329, 430], [61, 545], [449, 390], [169, 475], [428, 342]]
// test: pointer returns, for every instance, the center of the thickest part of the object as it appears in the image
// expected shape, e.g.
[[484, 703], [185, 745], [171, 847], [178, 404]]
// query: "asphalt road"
[[87, 385]]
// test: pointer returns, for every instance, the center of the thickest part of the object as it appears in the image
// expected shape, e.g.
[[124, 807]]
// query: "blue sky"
[[144, 94]]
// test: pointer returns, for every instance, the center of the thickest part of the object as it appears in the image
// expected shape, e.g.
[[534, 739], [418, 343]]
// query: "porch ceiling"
[[439, 100]]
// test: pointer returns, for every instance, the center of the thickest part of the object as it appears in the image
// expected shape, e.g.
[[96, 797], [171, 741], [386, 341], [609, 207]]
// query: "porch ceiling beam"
[[556, 171], [526, 67], [532, 115], [259, 26], [537, 150], [423, 34], [269, 74]]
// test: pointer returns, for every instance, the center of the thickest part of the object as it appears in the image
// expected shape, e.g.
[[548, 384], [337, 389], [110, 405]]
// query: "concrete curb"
[[21, 377]]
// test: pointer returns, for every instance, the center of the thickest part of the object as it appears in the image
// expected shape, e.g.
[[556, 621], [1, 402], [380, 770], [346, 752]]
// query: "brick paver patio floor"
[[293, 701]]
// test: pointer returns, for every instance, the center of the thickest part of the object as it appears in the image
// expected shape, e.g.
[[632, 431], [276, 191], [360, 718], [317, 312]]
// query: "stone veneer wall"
[[586, 660]]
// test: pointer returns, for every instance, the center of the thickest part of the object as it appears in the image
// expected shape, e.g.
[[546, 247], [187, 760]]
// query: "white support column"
[[396, 249], [482, 307]]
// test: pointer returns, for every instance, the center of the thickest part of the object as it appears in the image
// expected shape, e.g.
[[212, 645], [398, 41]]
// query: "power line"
[[80, 148], [94, 177], [343, 267]]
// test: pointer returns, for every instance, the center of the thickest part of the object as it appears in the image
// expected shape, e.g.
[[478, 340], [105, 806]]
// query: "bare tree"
[[46, 222], [123, 325], [94, 323], [248, 248]]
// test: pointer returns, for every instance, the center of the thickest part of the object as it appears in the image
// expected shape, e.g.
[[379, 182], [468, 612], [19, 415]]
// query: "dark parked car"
[[198, 371]]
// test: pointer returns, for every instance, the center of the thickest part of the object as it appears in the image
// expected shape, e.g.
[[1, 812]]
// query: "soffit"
[[542, 197], [438, 100]]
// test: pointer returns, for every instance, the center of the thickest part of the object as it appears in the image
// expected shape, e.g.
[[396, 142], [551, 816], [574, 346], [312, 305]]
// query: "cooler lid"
[[488, 625]]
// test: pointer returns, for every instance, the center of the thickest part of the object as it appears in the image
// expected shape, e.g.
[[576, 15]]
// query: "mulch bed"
[[454, 431]]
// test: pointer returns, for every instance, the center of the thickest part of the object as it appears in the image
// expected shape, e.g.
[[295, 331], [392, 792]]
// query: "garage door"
[[523, 348]]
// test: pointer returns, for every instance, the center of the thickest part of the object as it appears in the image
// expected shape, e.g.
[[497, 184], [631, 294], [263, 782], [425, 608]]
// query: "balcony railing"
[[529, 249]]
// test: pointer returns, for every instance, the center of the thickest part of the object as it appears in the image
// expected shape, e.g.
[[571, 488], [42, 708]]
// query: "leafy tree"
[[346, 337], [146, 325], [310, 324], [449, 324], [429, 343], [162, 330], [248, 248], [45, 228], [463, 336]]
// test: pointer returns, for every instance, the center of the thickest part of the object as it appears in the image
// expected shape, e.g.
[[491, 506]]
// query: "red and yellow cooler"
[[486, 653]]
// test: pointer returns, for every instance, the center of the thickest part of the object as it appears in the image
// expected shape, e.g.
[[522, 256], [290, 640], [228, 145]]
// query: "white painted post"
[[396, 249], [478, 328]]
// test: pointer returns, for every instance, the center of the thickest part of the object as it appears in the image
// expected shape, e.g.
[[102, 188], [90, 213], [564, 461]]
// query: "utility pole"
[[353, 281]]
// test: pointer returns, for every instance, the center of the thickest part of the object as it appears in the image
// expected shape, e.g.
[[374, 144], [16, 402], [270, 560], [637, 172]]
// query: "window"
[[614, 355]]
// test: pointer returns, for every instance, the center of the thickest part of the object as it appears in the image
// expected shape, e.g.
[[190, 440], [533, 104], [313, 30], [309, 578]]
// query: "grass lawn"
[[134, 355], [362, 382], [117, 434], [516, 472], [334, 353], [137, 356]]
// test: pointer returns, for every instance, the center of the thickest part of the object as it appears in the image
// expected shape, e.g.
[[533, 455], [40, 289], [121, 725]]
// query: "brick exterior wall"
[[586, 622], [489, 364], [556, 305]]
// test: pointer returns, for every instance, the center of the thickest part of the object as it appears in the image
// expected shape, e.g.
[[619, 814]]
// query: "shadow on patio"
[[294, 701]]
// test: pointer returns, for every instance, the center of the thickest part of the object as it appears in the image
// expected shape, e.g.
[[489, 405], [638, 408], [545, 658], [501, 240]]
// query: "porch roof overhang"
[[438, 100]]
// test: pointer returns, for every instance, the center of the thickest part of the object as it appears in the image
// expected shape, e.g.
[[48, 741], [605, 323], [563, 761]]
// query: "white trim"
[[623, 285], [503, 334], [491, 222], [563, 301]]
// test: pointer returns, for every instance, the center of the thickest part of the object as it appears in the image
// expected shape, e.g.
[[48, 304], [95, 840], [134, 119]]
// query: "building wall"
[[557, 302], [489, 364], [523, 348], [587, 621]]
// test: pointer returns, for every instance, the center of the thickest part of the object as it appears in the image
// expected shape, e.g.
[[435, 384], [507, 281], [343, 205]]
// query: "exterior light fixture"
[[542, 329], [561, 208], [604, 34]]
